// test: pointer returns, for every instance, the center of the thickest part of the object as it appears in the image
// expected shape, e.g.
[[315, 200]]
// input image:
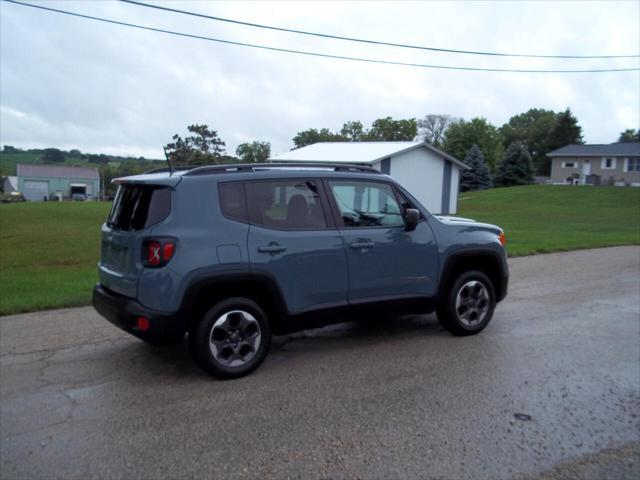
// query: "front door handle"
[[361, 245], [272, 248]]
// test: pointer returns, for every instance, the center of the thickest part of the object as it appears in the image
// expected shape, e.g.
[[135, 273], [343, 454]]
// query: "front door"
[[586, 171], [385, 261], [293, 240]]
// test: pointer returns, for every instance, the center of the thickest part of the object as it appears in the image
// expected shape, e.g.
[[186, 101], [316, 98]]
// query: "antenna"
[[168, 161]]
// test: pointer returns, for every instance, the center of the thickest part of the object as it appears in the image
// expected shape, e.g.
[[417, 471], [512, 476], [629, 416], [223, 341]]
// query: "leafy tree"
[[203, 147], [462, 135], [254, 152], [630, 135], [479, 176], [353, 131], [10, 149], [75, 153], [433, 127], [311, 136], [52, 155], [534, 128], [388, 129], [516, 168]]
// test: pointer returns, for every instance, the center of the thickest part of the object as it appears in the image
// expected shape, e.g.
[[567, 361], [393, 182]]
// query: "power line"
[[374, 42], [313, 54]]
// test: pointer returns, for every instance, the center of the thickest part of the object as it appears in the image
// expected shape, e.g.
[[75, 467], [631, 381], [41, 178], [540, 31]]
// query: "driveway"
[[550, 389]]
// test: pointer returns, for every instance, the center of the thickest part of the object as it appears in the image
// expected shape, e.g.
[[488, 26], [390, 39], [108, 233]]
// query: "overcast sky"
[[74, 83]]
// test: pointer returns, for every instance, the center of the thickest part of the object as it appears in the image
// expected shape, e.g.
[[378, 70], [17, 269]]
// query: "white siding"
[[455, 177], [420, 172]]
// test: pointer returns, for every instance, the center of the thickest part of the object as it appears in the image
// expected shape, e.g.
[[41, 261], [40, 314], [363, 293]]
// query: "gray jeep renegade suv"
[[231, 255]]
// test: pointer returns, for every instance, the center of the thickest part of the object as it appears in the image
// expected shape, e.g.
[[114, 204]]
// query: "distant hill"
[[11, 156]]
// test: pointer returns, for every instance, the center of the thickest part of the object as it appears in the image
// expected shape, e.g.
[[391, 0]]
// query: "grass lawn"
[[48, 254], [49, 251], [548, 218]]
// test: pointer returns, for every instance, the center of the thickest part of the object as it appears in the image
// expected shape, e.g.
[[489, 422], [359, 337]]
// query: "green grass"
[[48, 254], [49, 251], [546, 218]]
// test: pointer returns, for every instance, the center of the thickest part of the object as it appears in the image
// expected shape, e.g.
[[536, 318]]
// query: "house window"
[[633, 165], [568, 164], [608, 163]]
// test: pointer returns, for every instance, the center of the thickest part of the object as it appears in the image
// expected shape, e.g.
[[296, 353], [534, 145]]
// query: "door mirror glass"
[[411, 218]]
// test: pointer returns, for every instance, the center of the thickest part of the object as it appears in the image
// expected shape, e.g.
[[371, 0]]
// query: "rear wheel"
[[232, 339], [469, 304]]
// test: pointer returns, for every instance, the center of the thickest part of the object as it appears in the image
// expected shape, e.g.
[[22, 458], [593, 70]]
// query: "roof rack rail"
[[252, 167]]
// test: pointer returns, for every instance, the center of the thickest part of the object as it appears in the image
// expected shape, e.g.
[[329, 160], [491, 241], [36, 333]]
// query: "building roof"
[[55, 171], [356, 152], [597, 150]]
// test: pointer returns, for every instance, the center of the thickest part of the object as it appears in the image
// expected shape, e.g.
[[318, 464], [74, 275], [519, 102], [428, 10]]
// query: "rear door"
[[293, 240], [385, 261], [136, 207]]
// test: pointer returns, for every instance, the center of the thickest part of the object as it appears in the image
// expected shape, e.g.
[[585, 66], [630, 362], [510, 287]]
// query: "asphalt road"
[[551, 389]]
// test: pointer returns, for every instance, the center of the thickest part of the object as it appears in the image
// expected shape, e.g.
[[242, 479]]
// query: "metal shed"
[[430, 175], [44, 182]]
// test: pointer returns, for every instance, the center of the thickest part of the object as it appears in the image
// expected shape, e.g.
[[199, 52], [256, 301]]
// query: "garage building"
[[429, 174], [40, 182]]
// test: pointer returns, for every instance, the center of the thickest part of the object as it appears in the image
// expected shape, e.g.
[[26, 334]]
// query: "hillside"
[[10, 157]]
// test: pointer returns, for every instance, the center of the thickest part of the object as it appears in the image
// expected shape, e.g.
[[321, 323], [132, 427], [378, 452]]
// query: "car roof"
[[256, 171]]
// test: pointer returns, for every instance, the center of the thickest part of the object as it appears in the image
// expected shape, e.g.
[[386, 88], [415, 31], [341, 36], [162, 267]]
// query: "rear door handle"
[[361, 245], [273, 249]]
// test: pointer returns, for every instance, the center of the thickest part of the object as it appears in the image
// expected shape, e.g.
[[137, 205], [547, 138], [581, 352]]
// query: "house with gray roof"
[[47, 182], [606, 164]]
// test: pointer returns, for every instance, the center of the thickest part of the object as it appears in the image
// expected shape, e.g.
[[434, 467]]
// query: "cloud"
[[75, 83]]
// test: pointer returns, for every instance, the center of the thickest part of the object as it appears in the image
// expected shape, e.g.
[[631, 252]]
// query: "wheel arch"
[[206, 290], [486, 260]]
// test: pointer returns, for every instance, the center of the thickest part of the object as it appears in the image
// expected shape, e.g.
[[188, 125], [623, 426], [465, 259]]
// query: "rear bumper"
[[123, 312]]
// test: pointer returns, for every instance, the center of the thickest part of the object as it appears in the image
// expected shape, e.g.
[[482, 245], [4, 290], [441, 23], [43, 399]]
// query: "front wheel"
[[469, 304], [232, 339]]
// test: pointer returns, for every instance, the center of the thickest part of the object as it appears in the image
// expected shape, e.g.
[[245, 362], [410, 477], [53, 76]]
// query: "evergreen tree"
[[479, 176], [567, 131], [516, 167]]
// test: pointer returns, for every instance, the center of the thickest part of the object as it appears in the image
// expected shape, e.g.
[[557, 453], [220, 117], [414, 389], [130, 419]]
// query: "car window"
[[136, 207], [286, 204], [366, 204], [233, 202]]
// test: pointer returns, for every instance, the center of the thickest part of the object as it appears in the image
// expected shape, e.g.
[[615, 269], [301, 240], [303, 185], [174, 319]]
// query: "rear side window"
[[139, 206], [292, 205], [233, 202]]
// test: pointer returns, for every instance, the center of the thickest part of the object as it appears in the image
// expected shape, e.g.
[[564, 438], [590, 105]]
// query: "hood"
[[461, 221]]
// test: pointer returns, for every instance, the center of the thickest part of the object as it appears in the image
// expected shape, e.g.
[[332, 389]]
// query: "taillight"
[[502, 239], [158, 252]]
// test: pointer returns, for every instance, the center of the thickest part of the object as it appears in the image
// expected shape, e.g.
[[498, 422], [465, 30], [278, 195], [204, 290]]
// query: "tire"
[[232, 339], [469, 304]]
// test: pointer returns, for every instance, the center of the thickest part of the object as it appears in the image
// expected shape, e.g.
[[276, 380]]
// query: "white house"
[[429, 174]]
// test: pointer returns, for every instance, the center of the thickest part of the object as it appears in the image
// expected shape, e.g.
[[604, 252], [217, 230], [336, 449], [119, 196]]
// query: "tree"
[[630, 135], [204, 147], [462, 135], [516, 167], [432, 128], [479, 176], [254, 152], [388, 129], [566, 132], [10, 149], [534, 128], [52, 155], [311, 136], [353, 131]]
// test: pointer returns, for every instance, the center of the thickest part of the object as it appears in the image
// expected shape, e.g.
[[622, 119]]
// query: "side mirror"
[[411, 218]]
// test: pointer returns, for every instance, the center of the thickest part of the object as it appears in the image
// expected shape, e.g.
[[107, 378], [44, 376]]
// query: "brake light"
[[158, 252], [502, 239]]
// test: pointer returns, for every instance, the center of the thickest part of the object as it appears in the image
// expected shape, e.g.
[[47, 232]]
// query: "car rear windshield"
[[139, 206]]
